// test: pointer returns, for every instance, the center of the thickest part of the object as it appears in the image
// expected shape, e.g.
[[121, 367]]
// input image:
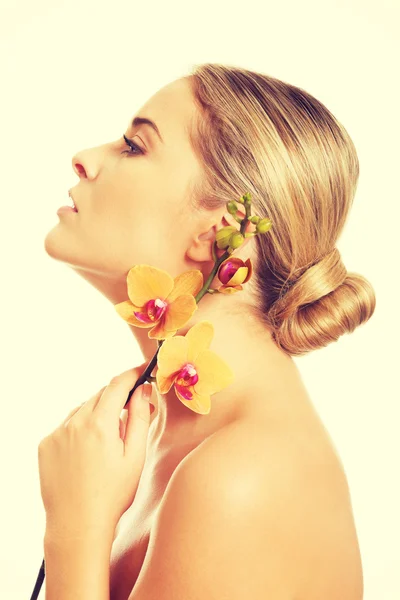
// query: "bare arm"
[[77, 569]]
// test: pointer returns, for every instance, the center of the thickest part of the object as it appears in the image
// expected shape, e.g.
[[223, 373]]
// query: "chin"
[[57, 248]]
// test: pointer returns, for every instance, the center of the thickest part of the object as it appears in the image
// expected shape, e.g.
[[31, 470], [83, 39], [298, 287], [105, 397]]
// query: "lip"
[[73, 198], [66, 209]]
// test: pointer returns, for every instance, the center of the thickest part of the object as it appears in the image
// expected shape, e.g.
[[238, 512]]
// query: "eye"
[[134, 149]]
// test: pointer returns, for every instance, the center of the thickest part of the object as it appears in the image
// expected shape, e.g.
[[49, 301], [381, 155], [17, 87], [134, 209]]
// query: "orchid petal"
[[229, 290], [229, 266], [147, 283], [249, 265], [199, 338], [164, 384], [172, 355], [199, 404], [179, 312], [189, 282], [126, 309], [239, 276], [214, 374], [159, 332]]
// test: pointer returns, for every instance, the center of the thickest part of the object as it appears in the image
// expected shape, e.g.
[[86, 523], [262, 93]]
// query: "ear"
[[201, 247]]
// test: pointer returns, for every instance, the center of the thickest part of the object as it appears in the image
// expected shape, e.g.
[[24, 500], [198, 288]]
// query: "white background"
[[72, 75]]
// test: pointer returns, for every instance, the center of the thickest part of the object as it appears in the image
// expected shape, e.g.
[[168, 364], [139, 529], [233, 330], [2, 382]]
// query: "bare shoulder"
[[293, 487], [303, 498], [247, 514]]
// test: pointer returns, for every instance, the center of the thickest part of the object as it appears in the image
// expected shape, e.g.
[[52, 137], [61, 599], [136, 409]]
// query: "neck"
[[260, 368]]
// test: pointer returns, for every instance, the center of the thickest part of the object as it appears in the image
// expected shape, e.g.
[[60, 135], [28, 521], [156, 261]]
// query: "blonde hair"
[[261, 135]]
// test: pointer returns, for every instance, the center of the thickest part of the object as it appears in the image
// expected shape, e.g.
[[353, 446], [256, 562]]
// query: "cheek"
[[140, 224], [122, 241]]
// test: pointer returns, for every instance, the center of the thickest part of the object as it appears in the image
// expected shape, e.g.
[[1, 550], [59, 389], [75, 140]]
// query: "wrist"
[[77, 564], [63, 534]]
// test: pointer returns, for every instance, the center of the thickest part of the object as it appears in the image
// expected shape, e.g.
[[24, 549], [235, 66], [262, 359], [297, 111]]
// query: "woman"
[[250, 500]]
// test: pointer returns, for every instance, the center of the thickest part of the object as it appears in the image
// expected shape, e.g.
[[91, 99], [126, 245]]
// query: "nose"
[[78, 167]]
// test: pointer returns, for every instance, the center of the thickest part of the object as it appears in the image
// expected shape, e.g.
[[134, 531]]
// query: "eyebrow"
[[143, 121]]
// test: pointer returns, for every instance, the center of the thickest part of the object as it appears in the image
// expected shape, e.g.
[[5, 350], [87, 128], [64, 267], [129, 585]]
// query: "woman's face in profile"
[[133, 202]]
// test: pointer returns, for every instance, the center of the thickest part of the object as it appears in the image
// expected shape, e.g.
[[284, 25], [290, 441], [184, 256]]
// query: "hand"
[[90, 465]]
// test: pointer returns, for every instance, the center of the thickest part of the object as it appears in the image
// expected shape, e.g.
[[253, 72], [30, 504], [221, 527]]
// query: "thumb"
[[138, 421]]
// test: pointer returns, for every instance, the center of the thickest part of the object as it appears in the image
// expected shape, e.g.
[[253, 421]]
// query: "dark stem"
[[146, 375], [38, 584]]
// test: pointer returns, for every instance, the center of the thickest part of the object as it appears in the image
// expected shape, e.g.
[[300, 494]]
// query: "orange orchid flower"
[[232, 273], [196, 372], [158, 301]]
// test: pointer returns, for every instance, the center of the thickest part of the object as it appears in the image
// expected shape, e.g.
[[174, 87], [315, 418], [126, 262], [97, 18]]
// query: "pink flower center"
[[227, 271], [153, 311], [186, 377]]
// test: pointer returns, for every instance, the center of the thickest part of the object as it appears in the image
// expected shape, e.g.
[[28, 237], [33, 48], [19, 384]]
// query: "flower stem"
[[211, 276], [146, 375]]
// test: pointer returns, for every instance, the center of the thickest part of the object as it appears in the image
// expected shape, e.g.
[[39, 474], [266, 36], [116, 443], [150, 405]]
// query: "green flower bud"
[[255, 219], [236, 240], [263, 226], [232, 207], [247, 198], [223, 236]]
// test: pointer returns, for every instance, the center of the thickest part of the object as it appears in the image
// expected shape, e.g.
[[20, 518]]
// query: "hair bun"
[[323, 303], [256, 133], [322, 278]]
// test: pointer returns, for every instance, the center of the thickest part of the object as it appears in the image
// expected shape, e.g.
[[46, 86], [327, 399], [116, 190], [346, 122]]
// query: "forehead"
[[173, 110]]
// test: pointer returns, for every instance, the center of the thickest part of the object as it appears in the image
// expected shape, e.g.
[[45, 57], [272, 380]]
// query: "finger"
[[71, 413], [89, 406], [138, 422], [113, 399], [85, 407], [122, 423]]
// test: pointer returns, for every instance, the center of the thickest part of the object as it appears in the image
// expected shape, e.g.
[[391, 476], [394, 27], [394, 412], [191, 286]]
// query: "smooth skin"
[[90, 465], [258, 505]]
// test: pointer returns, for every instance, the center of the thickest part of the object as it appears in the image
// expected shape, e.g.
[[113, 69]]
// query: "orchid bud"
[[247, 198], [236, 240], [263, 226], [232, 207], [228, 269], [223, 236], [232, 273], [255, 219]]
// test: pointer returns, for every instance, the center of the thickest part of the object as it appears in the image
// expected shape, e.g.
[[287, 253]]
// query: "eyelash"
[[132, 146]]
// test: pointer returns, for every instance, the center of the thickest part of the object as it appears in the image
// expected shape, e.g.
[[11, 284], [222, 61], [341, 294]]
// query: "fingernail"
[[146, 391]]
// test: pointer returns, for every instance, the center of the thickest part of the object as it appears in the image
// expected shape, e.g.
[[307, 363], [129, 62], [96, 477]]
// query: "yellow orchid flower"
[[232, 272], [158, 301], [195, 371]]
